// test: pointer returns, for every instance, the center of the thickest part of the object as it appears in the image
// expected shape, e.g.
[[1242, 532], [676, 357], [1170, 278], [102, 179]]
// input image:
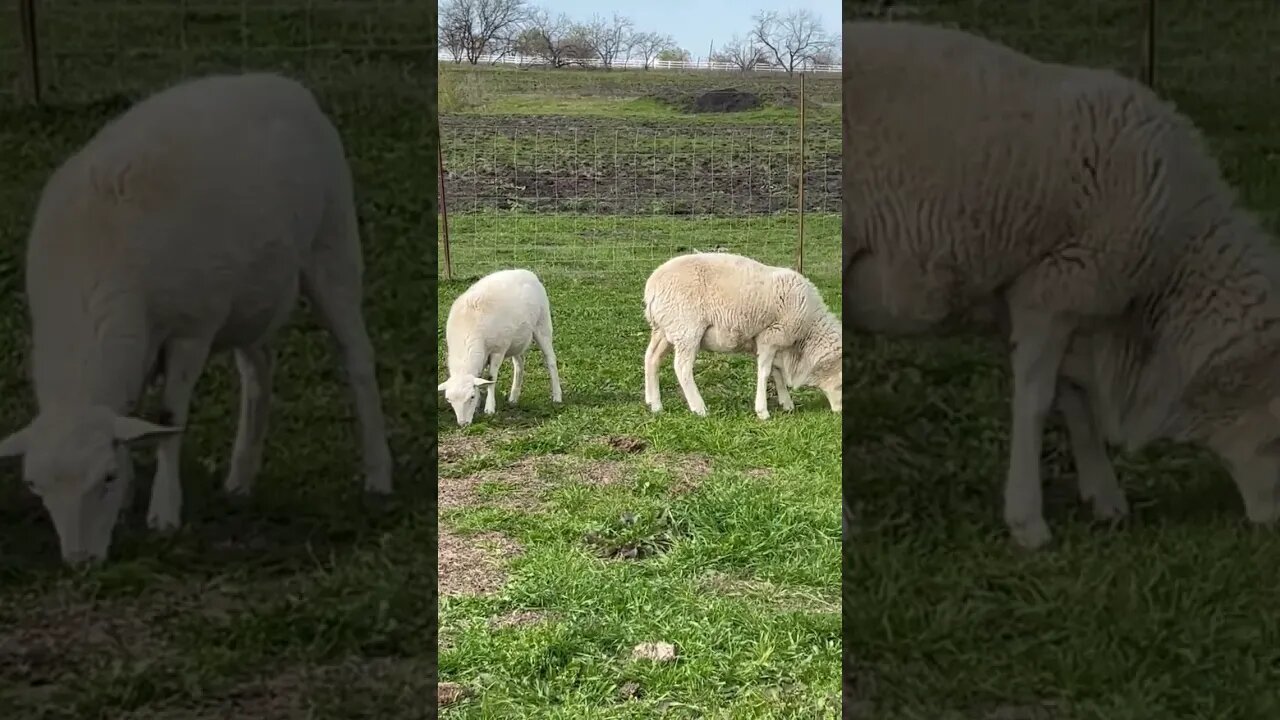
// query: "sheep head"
[[463, 393], [78, 463]]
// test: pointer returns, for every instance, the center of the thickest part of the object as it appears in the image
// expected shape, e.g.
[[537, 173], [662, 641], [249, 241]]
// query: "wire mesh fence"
[[1218, 62], [87, 48], [609, 173], [591, 198]]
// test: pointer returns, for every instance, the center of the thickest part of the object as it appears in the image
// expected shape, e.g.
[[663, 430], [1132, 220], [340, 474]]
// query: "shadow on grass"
[[278, 530]]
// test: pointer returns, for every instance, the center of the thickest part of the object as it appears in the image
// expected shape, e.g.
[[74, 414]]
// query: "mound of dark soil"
[[727, 100]]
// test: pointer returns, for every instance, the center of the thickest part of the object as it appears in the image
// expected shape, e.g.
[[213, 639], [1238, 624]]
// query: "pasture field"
[[308, 600], [1170, 615], [572, 534]]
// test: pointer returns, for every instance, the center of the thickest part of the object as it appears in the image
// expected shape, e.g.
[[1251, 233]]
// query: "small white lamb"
[[723, 302], [495, 319], [184, 227]]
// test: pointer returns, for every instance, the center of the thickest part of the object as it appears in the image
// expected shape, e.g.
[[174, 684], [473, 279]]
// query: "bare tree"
[[479, 27], [649, 45], [453, 41], [556, 41], [742, 53], [791, 39], [829, 56], [609, 39]]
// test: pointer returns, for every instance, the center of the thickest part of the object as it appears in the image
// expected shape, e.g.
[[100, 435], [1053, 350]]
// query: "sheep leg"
[[764, 367], [333, 287], [1040, 340], [686, 349], [658, 347], [517, 378], [491, 400], [784, 395], [1096, 476], [1256, 476], [255, 365], [184, 360], [543, 338]]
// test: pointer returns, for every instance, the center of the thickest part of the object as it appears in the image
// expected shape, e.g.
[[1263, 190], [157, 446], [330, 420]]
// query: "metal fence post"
[[1148, 63], [30, 47], [444, 212], [800, 239]]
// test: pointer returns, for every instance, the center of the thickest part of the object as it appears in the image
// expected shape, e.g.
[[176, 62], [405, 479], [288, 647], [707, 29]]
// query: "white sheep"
[[183, 228], [495, 319], [723, 302], [1134, 289]]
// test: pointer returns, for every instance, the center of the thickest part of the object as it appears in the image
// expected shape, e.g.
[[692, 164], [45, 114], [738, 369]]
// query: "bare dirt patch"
[[519, 618], [740, 174], [781, 597], [473, 564], [626, 444], [526, 480], [450, 693], [1039, 711], [688, 469], [630, 690], [353, 687], [54, 637], [453, 448]]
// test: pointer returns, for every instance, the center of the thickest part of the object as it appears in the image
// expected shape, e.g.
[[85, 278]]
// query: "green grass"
[[614, 526], [307, 600], [1169, 616], [590, 246], [744, 572], [499, 81]]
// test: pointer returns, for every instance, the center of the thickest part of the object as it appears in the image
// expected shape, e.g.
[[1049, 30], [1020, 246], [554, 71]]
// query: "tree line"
[[476, 30]]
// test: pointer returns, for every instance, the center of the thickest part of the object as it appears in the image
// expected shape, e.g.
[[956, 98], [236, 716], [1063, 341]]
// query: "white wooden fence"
[[633, 63]]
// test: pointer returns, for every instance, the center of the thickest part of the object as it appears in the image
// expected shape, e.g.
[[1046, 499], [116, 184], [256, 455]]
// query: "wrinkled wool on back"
[[977, 177], [967, 164], [729, 303]]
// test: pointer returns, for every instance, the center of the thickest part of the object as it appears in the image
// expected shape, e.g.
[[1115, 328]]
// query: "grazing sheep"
[[1134, 291], [495, 319], [723, 302], [185, 227]]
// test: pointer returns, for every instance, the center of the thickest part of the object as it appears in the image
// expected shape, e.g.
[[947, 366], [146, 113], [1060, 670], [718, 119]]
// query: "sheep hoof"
[[655, 407], [162, 523], [378, 482], [235, 487], [1262, 513], [1110, 509], [1032, 534], [762, 414]]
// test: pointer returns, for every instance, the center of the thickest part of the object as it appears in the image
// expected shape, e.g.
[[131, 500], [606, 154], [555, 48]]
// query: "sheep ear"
[[15, 445], [440, 387], [130, 430], [481, 382]]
